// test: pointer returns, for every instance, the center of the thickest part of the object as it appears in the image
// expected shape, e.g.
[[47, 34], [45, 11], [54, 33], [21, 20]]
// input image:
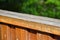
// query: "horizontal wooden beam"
[[31, 25], [39, 23], [27, 17]]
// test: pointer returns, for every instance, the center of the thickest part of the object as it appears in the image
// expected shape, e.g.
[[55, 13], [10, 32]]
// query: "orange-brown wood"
[[0, 32], [44, 37], [31, 25], [13, 33], [5, 32], [32, 35], [21, 34], [17, 33], [17, 29]]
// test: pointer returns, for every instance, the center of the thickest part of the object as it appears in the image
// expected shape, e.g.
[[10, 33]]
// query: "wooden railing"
[[17, 26]]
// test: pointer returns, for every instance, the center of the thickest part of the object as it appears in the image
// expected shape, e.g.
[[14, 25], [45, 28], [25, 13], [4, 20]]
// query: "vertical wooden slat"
[[21, 34], [5, 32], [44, 37], [0, 32], [32, 35], [13, 33]]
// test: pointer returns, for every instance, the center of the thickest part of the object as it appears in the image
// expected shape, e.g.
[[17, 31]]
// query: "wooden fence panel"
[[17, 26], [9, 32], [5, 32]]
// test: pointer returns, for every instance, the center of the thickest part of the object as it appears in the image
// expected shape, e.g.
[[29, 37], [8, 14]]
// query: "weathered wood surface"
[[31, 25], [5, 32], [22, 28], [16, 33], [27, 17]]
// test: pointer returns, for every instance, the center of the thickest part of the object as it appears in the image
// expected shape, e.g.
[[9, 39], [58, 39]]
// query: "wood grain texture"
[[31, 25], [38, 19], [44, 37], [5, 32], [17, 33], [13, 33], [21, 34], [32, 35], [0, 32]]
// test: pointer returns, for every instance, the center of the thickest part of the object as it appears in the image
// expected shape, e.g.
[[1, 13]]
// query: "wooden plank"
[[44, 37], [38, 19], [31, 25], [13, 33], [0, 32], [32, 35], [21, 34], [5, 32]]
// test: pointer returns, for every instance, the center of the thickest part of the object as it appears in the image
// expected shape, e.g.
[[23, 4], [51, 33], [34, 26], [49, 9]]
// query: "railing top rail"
[[38, 19], [32, 22]]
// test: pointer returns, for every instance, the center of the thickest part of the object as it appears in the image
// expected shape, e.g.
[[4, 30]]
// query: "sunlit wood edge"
[[31, 25], [28, 17]]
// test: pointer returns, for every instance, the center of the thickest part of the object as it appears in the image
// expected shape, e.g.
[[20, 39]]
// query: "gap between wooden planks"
[[31, 25]]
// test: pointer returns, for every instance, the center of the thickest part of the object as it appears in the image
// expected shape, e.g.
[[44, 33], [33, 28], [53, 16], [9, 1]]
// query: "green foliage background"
[[48, 8]]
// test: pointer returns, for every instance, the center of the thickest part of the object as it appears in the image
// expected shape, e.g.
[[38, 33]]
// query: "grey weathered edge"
[[28, 17]]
